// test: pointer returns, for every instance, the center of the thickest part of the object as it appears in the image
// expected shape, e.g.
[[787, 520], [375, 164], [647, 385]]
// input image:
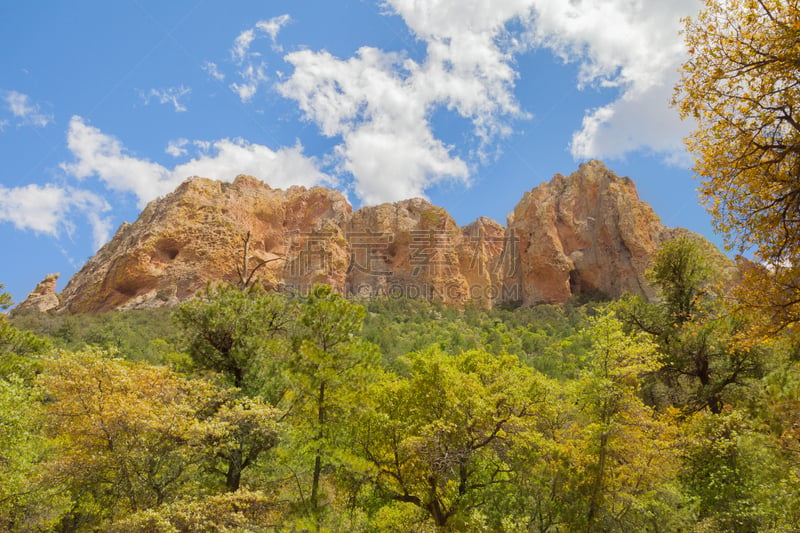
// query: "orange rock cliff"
[[583, 233]]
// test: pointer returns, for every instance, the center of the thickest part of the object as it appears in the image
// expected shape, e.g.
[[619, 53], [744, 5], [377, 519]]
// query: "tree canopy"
[[741, 86], [631, 416]]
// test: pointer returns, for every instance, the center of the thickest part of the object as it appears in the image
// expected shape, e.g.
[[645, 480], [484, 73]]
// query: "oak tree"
[[741, 84], [439, 440], [703, 356]]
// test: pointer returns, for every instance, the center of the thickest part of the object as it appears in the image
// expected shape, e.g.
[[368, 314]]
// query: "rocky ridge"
[[583, 233]]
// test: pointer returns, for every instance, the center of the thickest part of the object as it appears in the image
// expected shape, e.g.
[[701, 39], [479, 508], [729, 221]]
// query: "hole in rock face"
[[168, 249], [577, 284], [128, 288]]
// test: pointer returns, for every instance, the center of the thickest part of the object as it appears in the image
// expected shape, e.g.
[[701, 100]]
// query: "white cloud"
[[21, 108], [101, 155], [252, 71], [273, 26], [48, 209], [633, 46], [176, 148], [252, 76], [171, 95], [241, 45], [379, 103], [636, 121], [97, 154], [279, 168], [33, 207], [213, 70], [92, 206]]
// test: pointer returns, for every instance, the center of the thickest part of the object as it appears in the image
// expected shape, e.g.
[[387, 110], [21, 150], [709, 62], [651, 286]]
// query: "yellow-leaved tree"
[[741, 84]]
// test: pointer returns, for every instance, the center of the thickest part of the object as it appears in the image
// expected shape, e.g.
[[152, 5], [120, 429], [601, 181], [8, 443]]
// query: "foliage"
[[704, 358], [728, 469], [630, 450], [466, 433], [329, 362], [5, 298], [234, 331], [130, 436], [242, 511], [438, 439], [548, 338], [27, 503], [19, 351], [741, 86], [242, 431], [133, 436], [141, 335]]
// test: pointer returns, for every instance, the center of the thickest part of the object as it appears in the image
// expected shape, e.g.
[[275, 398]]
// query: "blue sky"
[[105, 106]]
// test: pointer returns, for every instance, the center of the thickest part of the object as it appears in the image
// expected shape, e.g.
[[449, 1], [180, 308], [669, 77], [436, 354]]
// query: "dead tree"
[[247, 276]]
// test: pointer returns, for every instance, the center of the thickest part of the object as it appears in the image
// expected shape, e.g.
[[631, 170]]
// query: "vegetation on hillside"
[[245, 410], [248, 410]]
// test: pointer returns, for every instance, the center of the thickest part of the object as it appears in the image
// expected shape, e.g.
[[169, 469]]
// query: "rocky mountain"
[[583, 233]]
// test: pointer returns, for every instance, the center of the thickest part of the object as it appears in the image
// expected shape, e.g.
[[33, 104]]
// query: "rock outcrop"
[[583, 233], [41, 299], [196, 234]]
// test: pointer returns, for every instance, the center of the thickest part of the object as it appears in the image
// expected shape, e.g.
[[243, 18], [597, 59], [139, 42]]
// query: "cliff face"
[[587, 232], [584, 233], [196, 235]]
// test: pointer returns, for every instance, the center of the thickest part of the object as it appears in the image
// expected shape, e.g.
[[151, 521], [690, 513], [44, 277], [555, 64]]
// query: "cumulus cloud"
[[97, 154], [33, 207], [47, 209], [632, 46], [26, 113], [103, 156], [638, 120], [171, 95], [380, 103]]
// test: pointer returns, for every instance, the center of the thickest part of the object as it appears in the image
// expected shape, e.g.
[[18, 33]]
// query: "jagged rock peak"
[[43, 298], [583, 233], [586, 232]]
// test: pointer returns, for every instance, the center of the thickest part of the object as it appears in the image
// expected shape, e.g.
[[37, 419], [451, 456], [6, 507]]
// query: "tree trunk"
[[318, 459], [233, 476], [597, 489]]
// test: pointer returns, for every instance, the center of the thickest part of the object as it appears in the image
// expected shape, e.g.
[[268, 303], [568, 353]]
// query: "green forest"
[[249, 410], [244, 410]]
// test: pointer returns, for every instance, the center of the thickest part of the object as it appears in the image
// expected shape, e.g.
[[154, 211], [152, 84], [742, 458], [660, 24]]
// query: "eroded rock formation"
[[43, 298], [583, 233]]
